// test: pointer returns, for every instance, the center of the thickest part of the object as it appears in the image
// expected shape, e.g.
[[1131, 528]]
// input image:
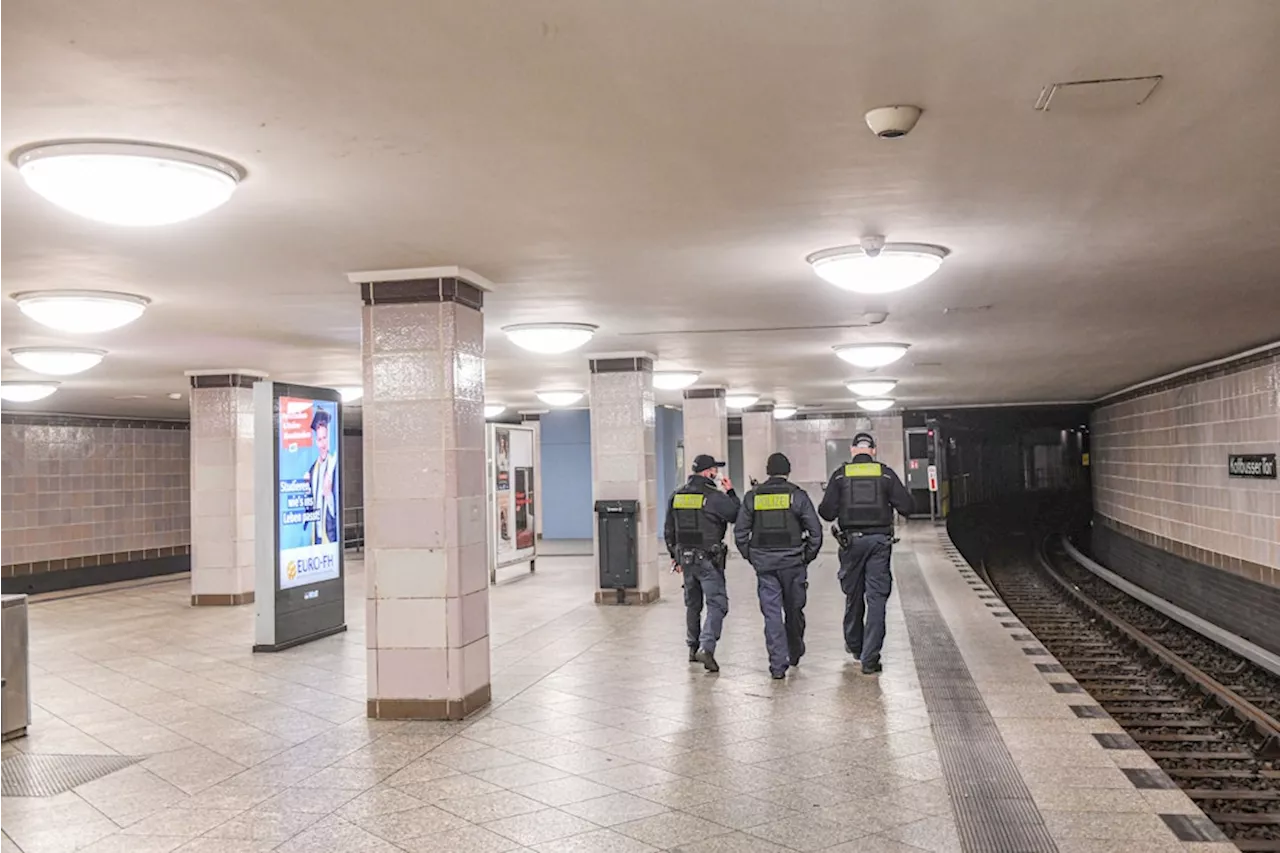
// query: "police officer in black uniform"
[[779, 533], [861, 497], [697, 516]]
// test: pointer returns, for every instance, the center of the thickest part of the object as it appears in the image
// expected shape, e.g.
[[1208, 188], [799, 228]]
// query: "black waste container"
[[616, 523]]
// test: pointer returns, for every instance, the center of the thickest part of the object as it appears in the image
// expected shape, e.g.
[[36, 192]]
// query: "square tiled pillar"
[[426, 567], [624, 460], [222, 521], [706, 425], [758, 441]]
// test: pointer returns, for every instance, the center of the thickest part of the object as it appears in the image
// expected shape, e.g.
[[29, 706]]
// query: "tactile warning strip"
[[993, 806], [28, 775]]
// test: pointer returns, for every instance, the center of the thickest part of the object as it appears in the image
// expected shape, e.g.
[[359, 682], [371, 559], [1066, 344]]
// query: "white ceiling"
[[660, 167]]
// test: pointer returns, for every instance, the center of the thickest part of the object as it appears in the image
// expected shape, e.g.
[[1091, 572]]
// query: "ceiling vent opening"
[[1089, 96]]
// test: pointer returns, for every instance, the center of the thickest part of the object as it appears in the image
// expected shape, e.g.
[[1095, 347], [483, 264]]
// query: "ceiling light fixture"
[[871, 387], [57, 361], [492, 410], [128, 183], [674, 380], [350, 393], [740, 401], [550, 338], [782, 413], [81, 311], [560, 398], [871, 355], [876, 266], [26, 392], [872, 404]]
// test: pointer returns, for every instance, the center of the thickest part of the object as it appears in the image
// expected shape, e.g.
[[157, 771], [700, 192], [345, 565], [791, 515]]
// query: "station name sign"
[[1259, 466]]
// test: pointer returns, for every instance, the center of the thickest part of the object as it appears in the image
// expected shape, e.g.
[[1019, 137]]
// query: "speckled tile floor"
[[600, 738]]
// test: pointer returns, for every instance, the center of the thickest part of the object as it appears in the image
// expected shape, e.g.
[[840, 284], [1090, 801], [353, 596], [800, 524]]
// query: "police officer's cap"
[[864, 439], [703, 462], [778, 464]]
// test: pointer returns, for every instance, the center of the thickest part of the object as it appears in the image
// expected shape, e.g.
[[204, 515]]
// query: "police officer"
[[861, 497], [779, 533], [697, 516]]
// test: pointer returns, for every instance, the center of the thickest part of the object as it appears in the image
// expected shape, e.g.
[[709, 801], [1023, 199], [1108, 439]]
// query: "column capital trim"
[[415, 291], [621, 364], [226, 378], [703, 393], [421, 274]]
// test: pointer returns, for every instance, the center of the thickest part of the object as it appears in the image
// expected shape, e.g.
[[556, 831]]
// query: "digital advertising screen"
[[309, 478]]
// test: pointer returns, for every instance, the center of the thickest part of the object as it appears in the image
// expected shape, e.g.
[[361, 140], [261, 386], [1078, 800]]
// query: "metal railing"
[[353, 528]]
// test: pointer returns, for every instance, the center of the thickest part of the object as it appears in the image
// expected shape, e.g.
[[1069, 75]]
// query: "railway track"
[[1205, 715]]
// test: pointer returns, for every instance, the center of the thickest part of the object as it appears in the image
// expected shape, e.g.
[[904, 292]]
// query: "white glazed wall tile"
[[65, 489], [1160, 463]]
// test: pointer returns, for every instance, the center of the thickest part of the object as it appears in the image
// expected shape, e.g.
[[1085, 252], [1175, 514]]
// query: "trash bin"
[[616, 527], [16, 700]]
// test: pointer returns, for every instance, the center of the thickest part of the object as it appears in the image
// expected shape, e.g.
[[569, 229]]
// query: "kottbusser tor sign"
[[1258, 466]]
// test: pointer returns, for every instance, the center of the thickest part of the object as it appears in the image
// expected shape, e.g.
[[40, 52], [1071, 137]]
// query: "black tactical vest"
[[773, 523], [864, 497], [694, 528]]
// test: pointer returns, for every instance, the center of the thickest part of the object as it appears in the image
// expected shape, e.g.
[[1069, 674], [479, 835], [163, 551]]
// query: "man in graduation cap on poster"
[[323, 477]]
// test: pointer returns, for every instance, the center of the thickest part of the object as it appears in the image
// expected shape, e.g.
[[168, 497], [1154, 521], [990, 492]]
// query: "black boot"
[[709, 661], [693, 654]]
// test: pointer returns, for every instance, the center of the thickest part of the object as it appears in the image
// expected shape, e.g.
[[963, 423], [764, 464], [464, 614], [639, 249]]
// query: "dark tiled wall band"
[[1244, 607]]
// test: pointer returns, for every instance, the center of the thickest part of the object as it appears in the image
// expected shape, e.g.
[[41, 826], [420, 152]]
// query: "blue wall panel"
[[566, 475]]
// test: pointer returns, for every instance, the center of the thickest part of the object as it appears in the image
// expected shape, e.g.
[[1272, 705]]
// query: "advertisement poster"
[[524, 507], [310, 492], [502, 486]]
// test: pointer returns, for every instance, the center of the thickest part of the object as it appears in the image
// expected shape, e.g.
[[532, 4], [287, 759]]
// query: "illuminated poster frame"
[[298, 503], [511, 451]]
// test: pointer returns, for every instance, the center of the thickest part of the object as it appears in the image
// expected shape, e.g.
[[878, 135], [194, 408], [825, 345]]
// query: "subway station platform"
[[600, 738]]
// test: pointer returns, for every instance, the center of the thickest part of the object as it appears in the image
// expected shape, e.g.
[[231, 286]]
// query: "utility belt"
[[846, 536], [717, 555]]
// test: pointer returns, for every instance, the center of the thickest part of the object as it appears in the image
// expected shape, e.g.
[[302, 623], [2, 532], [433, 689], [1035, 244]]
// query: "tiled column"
[[427, 576], [706, 425], [623, 459], [222, 520], [758, 441]]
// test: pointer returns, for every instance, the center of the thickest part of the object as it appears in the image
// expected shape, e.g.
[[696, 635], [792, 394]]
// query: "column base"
[[429, 709], [630, 596], [221, 600]]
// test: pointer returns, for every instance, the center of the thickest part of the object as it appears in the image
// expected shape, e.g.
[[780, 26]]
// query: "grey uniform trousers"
[[866, 582], [783, 594], [704, 581]]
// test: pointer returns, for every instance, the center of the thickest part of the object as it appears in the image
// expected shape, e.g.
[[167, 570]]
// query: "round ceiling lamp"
[[876, 266], [560, 398], [674, 380], [871, 355], [550, 338], [492, 410], [740, 401], [871, 387], [874, 404], [26, 392], [782, 413], [81, 311], [128, 183], [351, 393], [57, 361]]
